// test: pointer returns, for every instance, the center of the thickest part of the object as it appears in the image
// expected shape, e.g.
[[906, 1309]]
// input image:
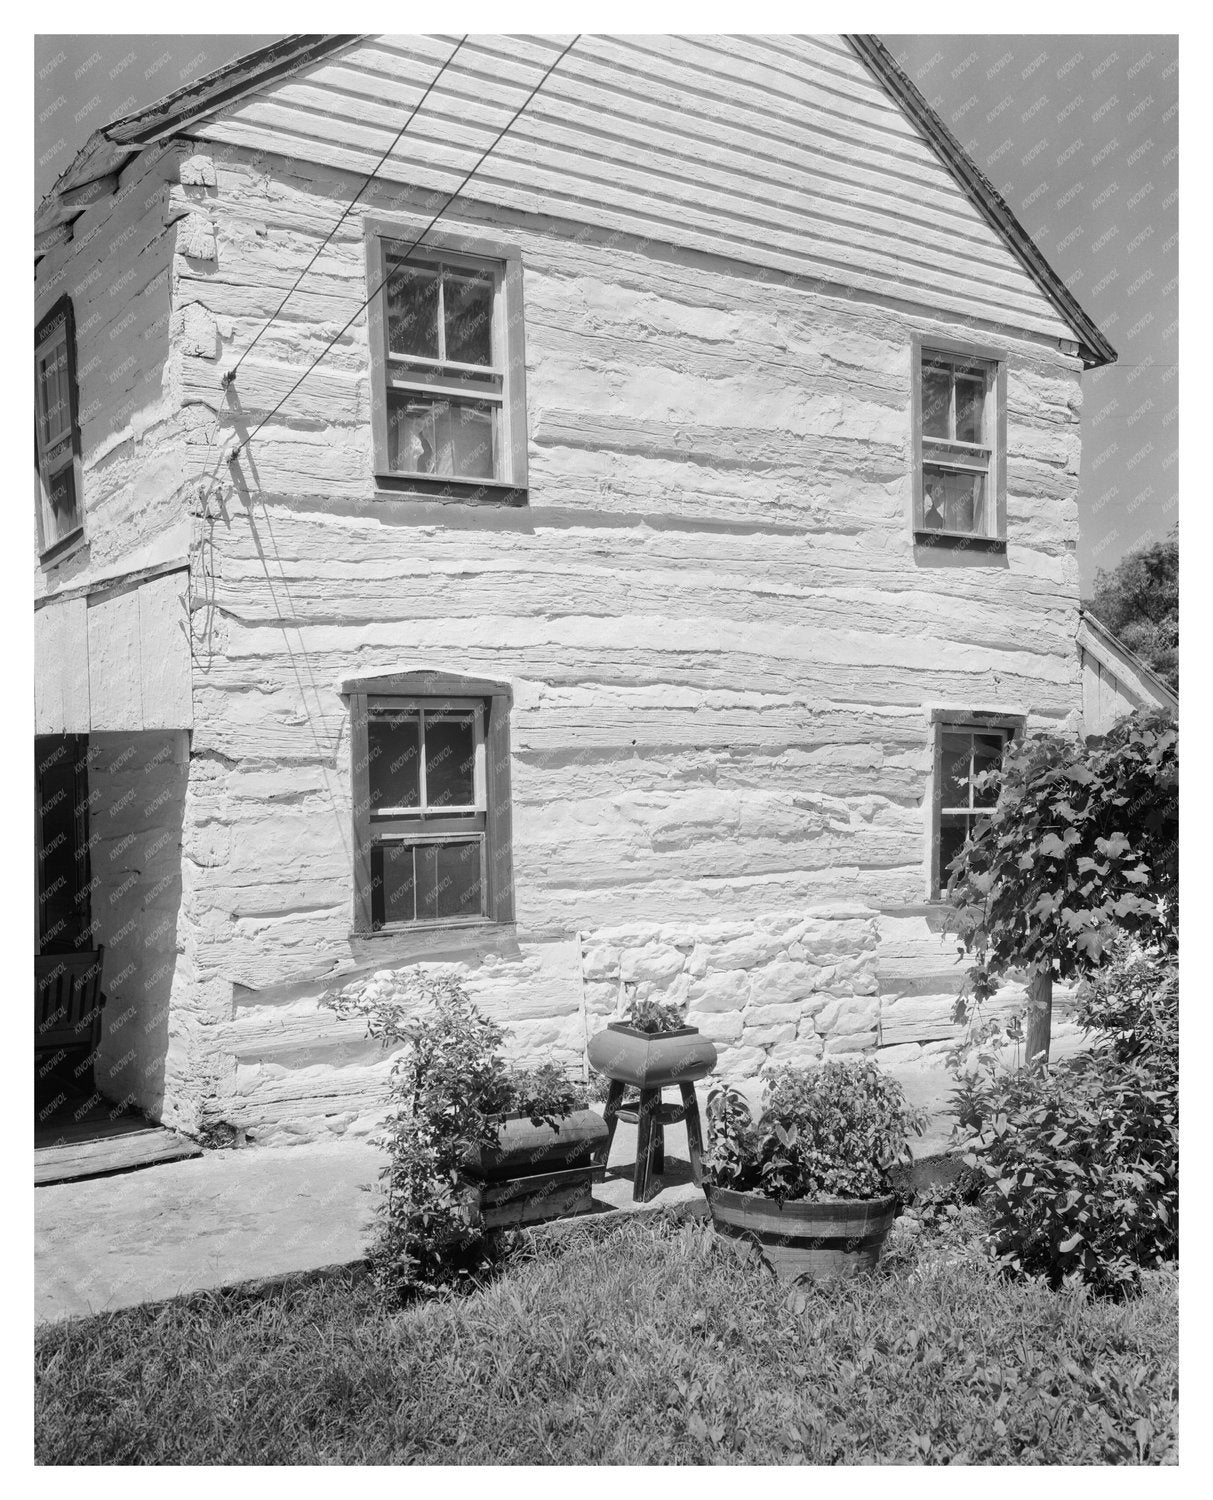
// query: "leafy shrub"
[[830, 1132], [450, 1090], [655, 1016], [1083, 1159]]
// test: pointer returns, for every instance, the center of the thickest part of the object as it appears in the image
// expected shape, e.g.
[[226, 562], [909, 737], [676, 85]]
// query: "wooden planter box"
[[536, 1172], [651, 1060], [839, 1237]]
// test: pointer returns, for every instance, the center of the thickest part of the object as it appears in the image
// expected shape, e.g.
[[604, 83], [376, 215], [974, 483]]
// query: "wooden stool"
[[651, 1117]]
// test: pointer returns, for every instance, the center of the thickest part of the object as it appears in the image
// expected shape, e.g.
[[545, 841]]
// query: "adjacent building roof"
[[93, 173], [1141, 681]]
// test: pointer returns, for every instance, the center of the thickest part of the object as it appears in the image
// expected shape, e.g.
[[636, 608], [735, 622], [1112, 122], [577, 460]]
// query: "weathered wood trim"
[[498, 853], [1094, 348], [54, 552], [1094, 637], [119, 583], [426, 684], [958, 541], [510, 487], [360, 802]]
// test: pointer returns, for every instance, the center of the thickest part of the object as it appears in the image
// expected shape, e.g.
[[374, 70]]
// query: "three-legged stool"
[[651, 1117]]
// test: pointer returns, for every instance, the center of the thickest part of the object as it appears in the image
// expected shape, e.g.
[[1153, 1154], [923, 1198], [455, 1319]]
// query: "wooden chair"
[[67, 1000]]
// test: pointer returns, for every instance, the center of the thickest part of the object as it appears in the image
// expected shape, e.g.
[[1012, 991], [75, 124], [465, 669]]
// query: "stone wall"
[[785, 987]]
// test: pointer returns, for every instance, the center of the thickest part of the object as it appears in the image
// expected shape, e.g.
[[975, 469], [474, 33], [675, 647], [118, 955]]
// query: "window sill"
[[66, 547], [450, 491], [421, 939], [960, 540]]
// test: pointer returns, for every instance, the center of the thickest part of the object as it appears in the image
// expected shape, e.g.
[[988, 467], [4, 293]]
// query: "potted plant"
[[651, 1050], [652, 1047], [473, 1145], [809, 1182]]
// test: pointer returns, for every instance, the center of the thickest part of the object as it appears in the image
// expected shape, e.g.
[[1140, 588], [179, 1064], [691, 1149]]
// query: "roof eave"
[[1093, 348], [107, 150]]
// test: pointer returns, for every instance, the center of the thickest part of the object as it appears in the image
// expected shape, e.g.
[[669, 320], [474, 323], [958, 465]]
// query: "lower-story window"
[[431, 801], [965, 746]]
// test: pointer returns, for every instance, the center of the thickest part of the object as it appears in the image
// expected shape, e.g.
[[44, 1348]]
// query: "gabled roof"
[[1093, 347], [1141, 680], [107, 150], [93, 173]]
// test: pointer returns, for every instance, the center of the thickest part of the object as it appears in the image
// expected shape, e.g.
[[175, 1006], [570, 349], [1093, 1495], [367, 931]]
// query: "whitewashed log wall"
[[721, 643]]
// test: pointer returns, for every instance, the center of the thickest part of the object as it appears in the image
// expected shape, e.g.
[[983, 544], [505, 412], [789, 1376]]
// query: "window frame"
[[509, 484], [435, 692], [60, 317], [995, 430], [961, 721]]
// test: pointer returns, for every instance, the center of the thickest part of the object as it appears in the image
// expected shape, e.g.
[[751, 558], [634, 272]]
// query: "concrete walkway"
[[232, 1216]]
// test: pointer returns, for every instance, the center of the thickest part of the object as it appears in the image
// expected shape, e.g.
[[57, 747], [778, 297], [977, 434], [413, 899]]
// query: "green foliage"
[[1139, 602], [1081, 845], [450, 1090], [655, 1016], [648, 1342], [830, 1132], [1083, 1159]]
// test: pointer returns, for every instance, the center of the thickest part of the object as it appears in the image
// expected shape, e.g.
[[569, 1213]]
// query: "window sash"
[[384, 709], [972, 730], [489, 826], [56, 431], [959, 456]]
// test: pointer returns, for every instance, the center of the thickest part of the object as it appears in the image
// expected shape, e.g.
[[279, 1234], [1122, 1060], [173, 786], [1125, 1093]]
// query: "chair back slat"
[[67, 998]]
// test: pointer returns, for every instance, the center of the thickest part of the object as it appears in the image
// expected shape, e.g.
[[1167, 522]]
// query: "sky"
[[1078, 133]]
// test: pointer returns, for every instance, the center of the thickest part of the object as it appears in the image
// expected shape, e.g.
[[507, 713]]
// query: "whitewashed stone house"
[[627, 596]]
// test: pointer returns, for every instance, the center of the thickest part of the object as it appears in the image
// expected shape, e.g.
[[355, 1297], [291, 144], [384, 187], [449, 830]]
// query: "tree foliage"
[[1139, 602], [1082, 1160], [1081, 844]]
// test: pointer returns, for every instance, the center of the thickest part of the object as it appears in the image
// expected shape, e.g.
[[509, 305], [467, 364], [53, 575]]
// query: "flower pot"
[[536, 1172], [651, 1060], [837, 1237]]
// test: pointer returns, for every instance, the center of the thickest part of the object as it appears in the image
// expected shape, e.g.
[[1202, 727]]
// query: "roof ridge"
[[1094, 348]]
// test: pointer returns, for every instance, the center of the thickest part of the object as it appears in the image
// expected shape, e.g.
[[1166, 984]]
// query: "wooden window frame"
[[509, 484], [61, 316], [963, 721], [433, 690], [995, 423]]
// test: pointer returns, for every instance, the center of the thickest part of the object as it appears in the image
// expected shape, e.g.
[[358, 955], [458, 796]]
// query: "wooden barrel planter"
[[536, 1172], [838, 1237]]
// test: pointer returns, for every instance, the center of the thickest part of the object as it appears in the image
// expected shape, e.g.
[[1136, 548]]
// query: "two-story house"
[[594, 537]]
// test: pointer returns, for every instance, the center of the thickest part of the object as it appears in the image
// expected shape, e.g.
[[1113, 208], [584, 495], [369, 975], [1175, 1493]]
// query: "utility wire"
[[231, 375], [235, 453]]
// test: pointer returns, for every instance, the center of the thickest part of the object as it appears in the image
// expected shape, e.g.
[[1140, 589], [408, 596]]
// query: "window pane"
[[412, 310], [54, 398], [952, 833], [953, 501], [468, 307], [450, 760], [436, 435], [955, 751], [448, 880], [394, 760], [394, 892], [970, 405], [936, 398], [987, 756]]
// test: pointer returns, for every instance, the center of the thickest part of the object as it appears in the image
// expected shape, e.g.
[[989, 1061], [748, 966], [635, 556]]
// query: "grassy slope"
[[650, 1345]]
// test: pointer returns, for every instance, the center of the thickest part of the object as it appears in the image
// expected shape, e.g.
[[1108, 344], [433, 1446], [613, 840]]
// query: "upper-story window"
[[959, 444], [57, 430], [447, 364]]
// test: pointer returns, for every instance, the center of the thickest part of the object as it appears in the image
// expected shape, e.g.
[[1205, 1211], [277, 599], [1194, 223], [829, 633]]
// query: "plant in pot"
[[809, 1182], [472, 1144], [652, 1048]]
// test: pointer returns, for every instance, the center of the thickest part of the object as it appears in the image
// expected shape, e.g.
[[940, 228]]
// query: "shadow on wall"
[[137, 787]]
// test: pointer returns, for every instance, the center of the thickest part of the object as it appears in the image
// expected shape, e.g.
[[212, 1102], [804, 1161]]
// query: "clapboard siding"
[[783, 152]]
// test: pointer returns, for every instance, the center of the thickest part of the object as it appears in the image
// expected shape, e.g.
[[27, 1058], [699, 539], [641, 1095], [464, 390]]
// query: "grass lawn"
[[650, 1343]]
